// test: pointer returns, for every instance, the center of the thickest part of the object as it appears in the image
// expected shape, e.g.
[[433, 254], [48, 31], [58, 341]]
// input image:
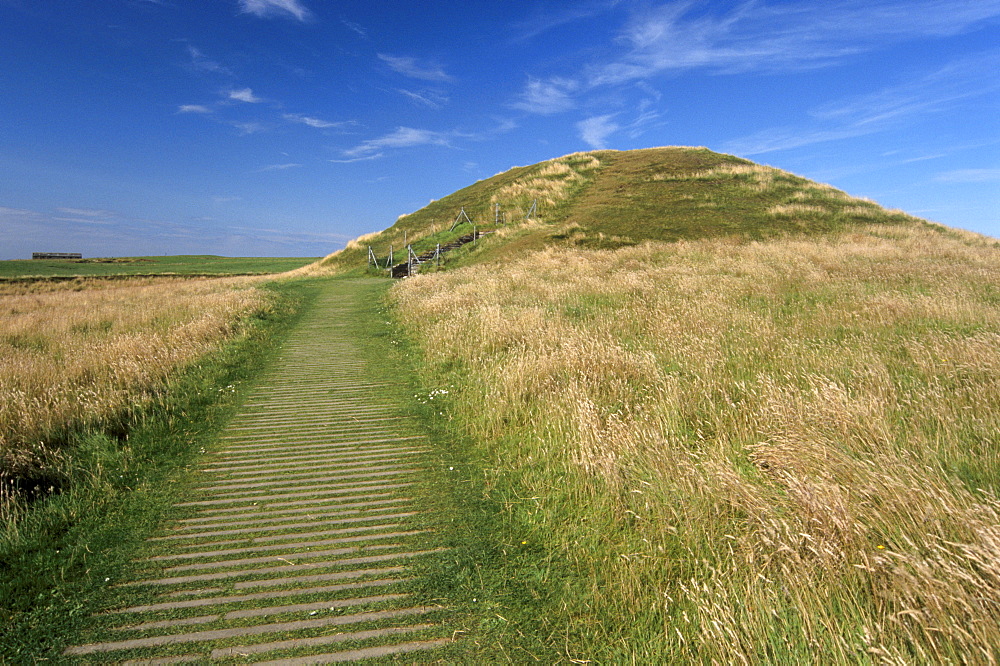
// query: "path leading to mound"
[[296, 544]]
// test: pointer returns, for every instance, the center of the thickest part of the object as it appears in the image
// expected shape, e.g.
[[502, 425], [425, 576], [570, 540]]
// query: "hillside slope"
[[607, 199], [768, 452]]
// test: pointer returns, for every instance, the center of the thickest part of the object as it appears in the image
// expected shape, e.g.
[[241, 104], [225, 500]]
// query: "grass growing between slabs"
[[60, 554], [736, 452]]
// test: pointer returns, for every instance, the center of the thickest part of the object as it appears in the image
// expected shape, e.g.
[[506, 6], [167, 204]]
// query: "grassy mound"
[[607, 199]]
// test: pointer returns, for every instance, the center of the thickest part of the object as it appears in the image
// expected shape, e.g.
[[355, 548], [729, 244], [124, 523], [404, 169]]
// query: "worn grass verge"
[[495, 578], [62, 553]]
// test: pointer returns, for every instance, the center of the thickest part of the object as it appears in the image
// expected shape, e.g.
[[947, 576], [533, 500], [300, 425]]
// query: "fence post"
[[411, 258]]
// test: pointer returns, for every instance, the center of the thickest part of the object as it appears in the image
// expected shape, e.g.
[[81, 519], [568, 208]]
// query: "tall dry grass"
[[783, 451], [552, 183], [82, 353]]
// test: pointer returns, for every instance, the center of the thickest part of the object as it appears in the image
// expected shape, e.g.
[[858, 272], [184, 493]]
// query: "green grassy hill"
[[608, 199]]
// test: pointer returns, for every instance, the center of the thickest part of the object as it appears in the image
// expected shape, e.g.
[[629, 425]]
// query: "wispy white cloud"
[[266, 8], [596, 130], [244, 95], [83, 230], [754, 35], [84, 220], [547, 97], [16, 212], [788, 138], [970, 176], [86, 212], [920, 158], [503, 126], [278, 167], [356, 29], [366, 158], [544, 19], [318, 123], [193, 108], [429, 98], [202, 63], [408, 66], [93, 232], [249, 127], [934, 93], [285, 237], [402, 137]]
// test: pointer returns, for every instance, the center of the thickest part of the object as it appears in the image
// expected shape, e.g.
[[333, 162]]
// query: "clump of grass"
[[796, 209], [749, 452], [552, 182], [94, 354]]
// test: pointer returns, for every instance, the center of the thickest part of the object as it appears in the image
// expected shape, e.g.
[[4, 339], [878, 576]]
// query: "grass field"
[[82, 355], [179, 265], [772, 452]]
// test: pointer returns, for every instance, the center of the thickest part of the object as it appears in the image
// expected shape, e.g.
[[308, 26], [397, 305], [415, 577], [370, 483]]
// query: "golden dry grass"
[[550, 184], [75, 354], [796, 210], [779, 451]]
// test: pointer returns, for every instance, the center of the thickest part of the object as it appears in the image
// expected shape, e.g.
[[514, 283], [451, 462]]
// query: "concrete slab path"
[[296, 543]]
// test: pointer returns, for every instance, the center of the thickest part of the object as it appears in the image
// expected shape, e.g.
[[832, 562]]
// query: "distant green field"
[[179, 265]]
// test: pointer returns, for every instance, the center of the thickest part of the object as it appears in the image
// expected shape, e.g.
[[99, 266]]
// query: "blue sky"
[[286, 127]]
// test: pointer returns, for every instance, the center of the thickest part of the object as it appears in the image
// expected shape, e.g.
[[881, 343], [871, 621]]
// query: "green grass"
[[655, 194], [57, 556], [496, 577], [674, 193], [173, 265]]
